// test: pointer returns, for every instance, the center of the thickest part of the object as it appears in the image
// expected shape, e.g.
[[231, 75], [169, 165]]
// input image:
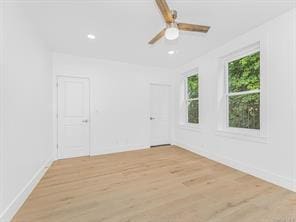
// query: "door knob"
[[152, 118], [85, 121]]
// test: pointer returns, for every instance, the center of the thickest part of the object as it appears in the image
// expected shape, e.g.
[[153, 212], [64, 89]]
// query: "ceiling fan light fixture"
[[171, 52], [172, 32], [91, 36]]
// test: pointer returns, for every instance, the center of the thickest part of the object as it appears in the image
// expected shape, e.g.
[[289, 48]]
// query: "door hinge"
[[57, 84]]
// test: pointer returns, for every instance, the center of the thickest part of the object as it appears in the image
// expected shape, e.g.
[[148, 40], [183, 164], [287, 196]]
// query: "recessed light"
[[171, 52], [91, 36]]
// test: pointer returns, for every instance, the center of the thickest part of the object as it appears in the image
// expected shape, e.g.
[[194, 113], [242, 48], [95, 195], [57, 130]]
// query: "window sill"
[[190, 127], [241, 134]]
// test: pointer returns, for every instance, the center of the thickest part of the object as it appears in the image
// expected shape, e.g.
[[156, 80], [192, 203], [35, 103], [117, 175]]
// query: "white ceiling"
[[124, 27]]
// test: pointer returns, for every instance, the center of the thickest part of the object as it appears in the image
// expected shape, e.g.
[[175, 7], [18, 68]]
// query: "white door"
[[159, 114], [73, 117]]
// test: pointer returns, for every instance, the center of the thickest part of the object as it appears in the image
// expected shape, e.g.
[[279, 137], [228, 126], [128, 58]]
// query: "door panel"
[[73, 117], [159, 114]]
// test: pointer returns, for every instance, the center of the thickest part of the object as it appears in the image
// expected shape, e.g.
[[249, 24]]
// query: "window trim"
[[256, 135], [185, 124], [227, 94], [188, 100]]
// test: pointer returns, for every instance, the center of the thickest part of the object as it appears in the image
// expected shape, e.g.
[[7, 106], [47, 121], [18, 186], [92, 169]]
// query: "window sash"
[[238, 94], [228, 104], [237, 57], [189, 100], [187, 110], [187, 88], [243, 92]]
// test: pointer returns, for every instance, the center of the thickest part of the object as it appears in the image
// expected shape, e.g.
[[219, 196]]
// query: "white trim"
[[190, 72], [21, 197], [242, 134], [239, 55], [185, 76], [190, 127], [121, 148], [92, 109], [259, 173], [257, 135], [242, 52]]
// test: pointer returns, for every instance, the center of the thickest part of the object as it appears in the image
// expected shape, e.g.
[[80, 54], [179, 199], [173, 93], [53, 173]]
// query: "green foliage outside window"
[[192, 85], [192, 99], [243, 76], [193, 111], [244, 111]]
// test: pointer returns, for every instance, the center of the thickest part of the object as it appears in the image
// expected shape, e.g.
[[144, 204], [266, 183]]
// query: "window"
[[191, 100], [243, 91]]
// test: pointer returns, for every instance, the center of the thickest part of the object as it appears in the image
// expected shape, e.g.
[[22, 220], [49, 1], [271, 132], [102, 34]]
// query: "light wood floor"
[[166, 184]]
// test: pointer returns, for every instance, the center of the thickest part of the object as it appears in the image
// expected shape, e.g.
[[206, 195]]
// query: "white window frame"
[[193, 72], [238, 56], [237, 51]]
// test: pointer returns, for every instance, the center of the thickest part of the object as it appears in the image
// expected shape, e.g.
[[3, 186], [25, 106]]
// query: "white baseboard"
[[119, 149], [18, 201], [262, 174]]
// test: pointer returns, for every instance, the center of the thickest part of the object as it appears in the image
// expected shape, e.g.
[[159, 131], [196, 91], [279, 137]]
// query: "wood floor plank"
[[165, 184]]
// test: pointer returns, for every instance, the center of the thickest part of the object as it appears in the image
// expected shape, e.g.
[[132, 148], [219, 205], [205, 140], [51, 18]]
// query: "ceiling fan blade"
[[157, 37], [193, 28], [165, 11]]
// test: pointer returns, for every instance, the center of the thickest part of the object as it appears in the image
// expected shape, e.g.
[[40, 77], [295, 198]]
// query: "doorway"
[[73, 112], [159, 115]]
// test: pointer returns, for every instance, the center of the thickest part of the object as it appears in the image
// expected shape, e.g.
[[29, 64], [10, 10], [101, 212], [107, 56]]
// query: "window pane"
[[192, 84], [193, 111], [244, 111], [244, 73]]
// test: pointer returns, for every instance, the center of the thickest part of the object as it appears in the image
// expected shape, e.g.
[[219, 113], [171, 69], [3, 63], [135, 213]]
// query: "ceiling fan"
[[171, 31]]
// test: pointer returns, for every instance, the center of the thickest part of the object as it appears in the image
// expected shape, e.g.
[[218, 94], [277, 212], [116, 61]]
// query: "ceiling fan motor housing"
[[174, 14]]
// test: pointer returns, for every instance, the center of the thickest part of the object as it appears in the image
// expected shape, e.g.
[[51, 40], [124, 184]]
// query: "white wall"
[[1, 105], [120, 106], [27, 103], [119, 100], [294, 96], [271, 158]]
